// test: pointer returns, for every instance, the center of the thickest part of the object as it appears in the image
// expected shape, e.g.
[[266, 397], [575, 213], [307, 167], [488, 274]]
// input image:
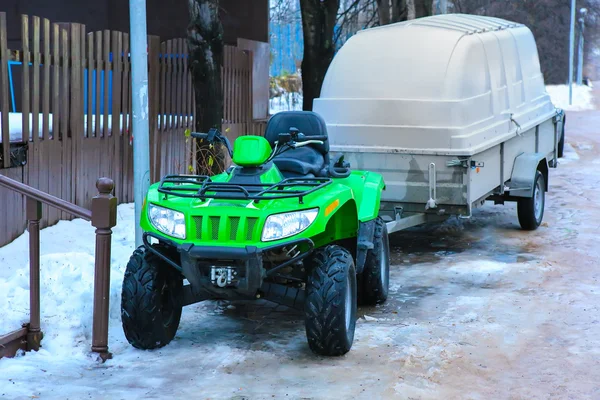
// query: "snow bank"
[[67, 277], [64, 367], [583, 98]]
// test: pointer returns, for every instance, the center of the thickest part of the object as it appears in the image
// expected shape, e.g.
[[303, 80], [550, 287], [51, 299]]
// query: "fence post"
[[104, 218], [34, 333]]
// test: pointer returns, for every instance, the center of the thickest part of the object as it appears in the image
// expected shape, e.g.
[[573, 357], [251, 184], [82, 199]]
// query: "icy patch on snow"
[[582, 97], [584, 146], [479, 267]]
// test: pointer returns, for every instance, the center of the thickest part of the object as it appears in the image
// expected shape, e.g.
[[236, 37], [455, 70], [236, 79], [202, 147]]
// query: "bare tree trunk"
[[423, 8], [399, 10], [411, 14], [383, 6], [318, 21], [205, 42]]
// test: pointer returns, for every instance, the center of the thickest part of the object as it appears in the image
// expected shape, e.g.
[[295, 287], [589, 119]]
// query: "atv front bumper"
[[240, 270]]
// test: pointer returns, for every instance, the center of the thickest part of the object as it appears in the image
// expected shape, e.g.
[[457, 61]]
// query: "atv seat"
[[303, 162]]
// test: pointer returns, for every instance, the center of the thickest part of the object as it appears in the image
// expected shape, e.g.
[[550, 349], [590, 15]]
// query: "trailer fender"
[[523, 173]]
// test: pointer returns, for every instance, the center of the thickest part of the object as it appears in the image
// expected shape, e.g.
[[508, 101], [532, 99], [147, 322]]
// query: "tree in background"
[[318, 22], [549, 21], [205, 43]]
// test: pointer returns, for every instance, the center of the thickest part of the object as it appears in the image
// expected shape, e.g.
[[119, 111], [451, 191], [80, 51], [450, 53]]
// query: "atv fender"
[[370, 198], [364, 243]]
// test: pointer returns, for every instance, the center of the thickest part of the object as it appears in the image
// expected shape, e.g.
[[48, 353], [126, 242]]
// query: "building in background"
[[245, 25]]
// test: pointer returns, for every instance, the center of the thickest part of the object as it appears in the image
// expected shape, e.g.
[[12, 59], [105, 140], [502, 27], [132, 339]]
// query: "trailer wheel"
[[150, 313], [373, 282], [330, 305], [531, 209]]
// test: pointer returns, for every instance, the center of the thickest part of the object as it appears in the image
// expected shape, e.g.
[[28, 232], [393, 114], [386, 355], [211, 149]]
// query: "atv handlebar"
[[214, 135], [321, 138]]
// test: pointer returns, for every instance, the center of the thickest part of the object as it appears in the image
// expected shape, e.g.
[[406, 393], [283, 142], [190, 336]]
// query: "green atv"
[[283, 224]]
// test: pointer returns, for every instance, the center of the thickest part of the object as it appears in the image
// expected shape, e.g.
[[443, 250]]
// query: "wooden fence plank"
[[46, 94], [186, 87], [99, 68], [77, 174], [117, 44], [35, 98], [55, 81], [77, 144], [50, 162], [107, 72], [153, 105], [91, 85], [169, 89], [5, 106], [126, 132], [67, 179], [179, 60], [64, 114], [25, 89], [163, 86]]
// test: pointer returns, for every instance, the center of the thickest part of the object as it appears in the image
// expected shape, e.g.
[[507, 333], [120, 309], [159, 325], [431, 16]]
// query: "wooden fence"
[[74, 112]]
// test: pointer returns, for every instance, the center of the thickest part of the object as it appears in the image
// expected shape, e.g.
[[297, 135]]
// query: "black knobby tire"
[[531, 210], [373, 282], [330, 304], [150, 313]]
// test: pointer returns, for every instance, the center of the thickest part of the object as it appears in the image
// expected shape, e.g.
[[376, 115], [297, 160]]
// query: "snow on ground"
[[582, 97], [286, 102], [477, 309]]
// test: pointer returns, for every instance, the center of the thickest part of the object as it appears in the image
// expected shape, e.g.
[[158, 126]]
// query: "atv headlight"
[[167, 221], [280, 226]]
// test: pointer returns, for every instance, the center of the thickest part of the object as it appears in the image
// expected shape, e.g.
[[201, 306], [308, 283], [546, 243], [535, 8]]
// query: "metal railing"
[[103, 217]]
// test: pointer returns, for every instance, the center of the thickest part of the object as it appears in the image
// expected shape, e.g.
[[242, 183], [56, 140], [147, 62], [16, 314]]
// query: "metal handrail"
[[46, 198]]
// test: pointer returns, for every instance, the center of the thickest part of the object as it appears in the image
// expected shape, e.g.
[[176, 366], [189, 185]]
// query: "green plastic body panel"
[[251, 151], [239, 223]]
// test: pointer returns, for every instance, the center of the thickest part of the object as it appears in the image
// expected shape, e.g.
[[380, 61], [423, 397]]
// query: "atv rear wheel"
[[373, 282], [330, 304], [150, 312]]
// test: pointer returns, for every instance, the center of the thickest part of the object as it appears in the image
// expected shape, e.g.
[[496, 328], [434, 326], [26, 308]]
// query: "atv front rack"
[[202, 187]]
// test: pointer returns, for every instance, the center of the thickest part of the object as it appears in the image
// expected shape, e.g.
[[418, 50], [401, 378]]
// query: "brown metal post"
[[104, 218], [34, 333]]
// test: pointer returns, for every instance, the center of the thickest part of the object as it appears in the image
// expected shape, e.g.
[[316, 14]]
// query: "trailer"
[[452, 110]]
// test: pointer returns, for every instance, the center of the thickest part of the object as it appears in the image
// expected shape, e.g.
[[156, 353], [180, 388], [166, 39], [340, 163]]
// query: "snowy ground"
[[478, 310], [286, 102], [582, 97]]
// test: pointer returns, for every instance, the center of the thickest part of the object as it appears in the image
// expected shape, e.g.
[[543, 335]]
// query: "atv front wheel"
[[373, 282], [149, 311], [330, 304]]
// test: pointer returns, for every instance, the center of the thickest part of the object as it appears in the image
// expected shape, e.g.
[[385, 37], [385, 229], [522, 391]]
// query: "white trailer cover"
[[448, 85]]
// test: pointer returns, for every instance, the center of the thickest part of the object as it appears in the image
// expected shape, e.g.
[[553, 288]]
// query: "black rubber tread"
[[526, 208], [561, 142], [143, 306], [325, 301], [373, 288]]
